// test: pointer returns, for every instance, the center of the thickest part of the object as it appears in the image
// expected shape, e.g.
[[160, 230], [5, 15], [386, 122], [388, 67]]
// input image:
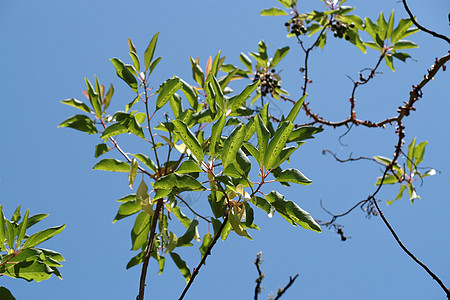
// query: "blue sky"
[[47, 49]]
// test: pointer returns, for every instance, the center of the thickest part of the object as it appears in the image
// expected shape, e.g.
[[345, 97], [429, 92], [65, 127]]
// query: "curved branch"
[[435, 34]]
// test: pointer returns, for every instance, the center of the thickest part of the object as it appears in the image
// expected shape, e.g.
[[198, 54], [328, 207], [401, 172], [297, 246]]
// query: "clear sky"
[[48, 47]]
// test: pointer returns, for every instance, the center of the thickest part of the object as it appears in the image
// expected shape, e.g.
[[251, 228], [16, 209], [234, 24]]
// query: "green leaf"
[[136, 260], [189, 139], [188, 166], [167, 90], [303, 133], [399, 195], [373, 45], [246, 61], [180, 216], [146, 161], [390, 25], [279, 54], [190, 93], [386, 161], [197, 72], [154, 64], [123, 72], [261, 203], [216, 132], [400, 30], [176, 104], [401, 55], [410, 158], [388, 179], [412, 193], [2, 229], [81, 123], [5, 294], [294, 176], [35, 219], [77, 104], [173, 242], [403, 44], [419, 152], [235, 221], [371, 28], [207, 239], [226, 231], [113, 165], [130, 122], [133, 172], [9, 235], [231, 145], [42, 236], [273, 12], [186, 238], [292, 211], [263, 135], [182, 266], [389, 62], [94, 97], [180, 181], [135, 60], [253, 151], [381, 22], [148, 54], [113, 130], [238, 100], [140, 231], [277, 144], [30, 270], [127, 209], [295, 109], [217, 90], [108, 97], [22, 227], [101, 149]]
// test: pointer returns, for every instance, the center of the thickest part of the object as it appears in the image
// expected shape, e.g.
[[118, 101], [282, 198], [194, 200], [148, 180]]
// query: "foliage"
[[206, 138], [209, 134], [19, 257]]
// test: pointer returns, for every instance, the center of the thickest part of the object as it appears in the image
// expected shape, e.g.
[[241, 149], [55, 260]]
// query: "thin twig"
[[435, 34], [202, 262], [260, 275], [148, 252], [399, 242], [282, 291]]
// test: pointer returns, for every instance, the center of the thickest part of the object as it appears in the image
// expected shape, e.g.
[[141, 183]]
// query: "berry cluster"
[[269, 81], [340, 29], [296, 26]]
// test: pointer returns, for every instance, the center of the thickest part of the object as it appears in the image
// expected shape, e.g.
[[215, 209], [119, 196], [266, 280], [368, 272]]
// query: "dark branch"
[[435, 34], [260, 275], [282, 291], [202, 262]]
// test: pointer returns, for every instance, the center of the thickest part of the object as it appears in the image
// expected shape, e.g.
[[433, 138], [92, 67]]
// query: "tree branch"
[[202, 262], [435, 34]]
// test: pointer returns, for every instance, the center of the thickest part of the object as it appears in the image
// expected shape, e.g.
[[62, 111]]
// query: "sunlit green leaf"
[[231, 145], [140, 231], [125, 74], [42, 236], [292, 211], [167, 90], [294, 176], [148, 54], [133, 172], [146, 161], [278, 56], [403, 44], [81, 123], [189, 139], [127, 209], [113, 165], [273, 12], [188, 166], [101, 149], [238, 100], [181, 181], [78, 104], [277, 144], [182, 266], [186, 238], [113, 130]]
